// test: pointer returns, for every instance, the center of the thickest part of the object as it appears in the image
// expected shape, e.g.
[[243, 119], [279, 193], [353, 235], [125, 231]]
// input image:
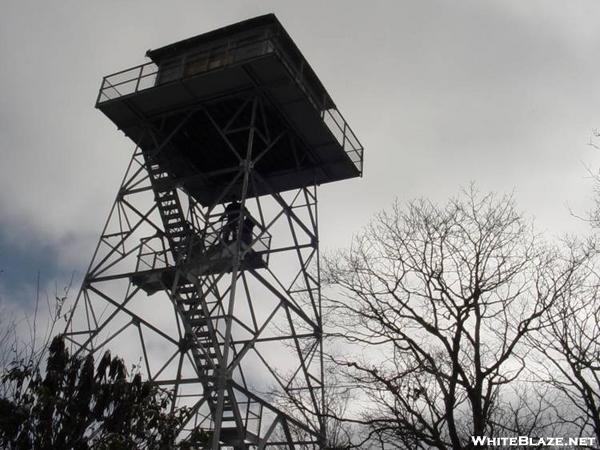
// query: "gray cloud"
[[441, 93]]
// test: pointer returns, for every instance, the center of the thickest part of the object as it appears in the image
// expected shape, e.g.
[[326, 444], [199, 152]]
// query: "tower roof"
[[169, 50], [231, 33]]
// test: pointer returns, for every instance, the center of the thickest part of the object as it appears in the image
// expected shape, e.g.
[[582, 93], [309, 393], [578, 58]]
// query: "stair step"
[[176, 233], [198, 323], [171, 213], [185, 289], [179, 224], [227, 404], [165, 196], [189, 301], [229, 432], [239, 440], [175, 226], [195, 315], [208, 372], [159, 175], [169, 205], [163, 185]]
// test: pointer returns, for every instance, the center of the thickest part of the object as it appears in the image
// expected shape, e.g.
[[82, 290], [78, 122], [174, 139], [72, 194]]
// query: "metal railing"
[[344, 135], [147, 76], [330, 115], [152, 256], [154, 252]]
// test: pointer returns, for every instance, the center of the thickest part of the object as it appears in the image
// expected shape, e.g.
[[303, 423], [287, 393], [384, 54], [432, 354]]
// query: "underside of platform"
[[218, 260]]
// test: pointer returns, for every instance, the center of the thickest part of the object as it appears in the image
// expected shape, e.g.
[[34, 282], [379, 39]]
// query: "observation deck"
[[208, 253], [193, 93]]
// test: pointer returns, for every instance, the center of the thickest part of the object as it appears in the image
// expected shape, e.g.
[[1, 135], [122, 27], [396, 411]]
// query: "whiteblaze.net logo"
[[526, 441]]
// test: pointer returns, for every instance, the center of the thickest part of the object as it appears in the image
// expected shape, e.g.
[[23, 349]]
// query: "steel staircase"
[[177, 229], [206, 350], [195, 311]]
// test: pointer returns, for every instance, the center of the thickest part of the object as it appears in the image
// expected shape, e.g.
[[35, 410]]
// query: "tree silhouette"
[[433, 304], [80, 405]]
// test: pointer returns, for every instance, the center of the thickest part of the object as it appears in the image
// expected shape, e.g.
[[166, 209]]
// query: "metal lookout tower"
[[206, 275]]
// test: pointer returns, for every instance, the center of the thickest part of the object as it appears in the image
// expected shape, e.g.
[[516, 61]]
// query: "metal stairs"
[[196, 312], [177, 229]]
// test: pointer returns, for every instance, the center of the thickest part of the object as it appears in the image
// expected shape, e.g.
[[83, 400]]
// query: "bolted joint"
[[319, 332], [185, 343], [247, 165]]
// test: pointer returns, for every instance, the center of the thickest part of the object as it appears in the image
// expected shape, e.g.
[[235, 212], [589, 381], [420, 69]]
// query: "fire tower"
[[206, 275]]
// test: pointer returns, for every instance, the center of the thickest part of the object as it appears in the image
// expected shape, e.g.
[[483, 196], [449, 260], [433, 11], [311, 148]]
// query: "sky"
[[440, 93]]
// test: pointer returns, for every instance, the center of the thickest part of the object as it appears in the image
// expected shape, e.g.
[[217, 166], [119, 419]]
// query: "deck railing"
[[153, 254]]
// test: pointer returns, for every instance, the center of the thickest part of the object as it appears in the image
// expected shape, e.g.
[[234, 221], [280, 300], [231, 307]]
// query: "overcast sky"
[[440, 93]]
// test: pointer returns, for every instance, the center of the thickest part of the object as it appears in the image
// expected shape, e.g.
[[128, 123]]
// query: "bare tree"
[[568, 348], [25, 338], [337, 398], [435, 303]]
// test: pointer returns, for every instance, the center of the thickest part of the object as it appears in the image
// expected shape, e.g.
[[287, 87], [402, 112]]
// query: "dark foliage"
[[78, 405]]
